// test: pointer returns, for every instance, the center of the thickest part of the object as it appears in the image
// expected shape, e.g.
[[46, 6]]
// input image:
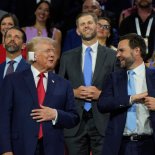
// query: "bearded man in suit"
[[129, 96], [14, 43]]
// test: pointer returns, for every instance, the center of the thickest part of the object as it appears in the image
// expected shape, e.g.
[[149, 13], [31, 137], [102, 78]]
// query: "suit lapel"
[[122, 78], [29, 80], [121, 82], [22, 65], [101, 55], [78, 65], [50, 86]]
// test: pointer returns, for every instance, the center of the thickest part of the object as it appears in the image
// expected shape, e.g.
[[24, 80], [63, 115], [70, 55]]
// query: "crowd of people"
[[77, 77]]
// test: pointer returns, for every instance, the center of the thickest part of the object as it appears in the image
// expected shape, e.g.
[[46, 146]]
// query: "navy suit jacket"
[[18, 131], [21, 66], [115, 99]]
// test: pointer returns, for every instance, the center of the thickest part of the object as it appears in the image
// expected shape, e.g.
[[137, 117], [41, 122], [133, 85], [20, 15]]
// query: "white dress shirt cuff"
[[56, 118]]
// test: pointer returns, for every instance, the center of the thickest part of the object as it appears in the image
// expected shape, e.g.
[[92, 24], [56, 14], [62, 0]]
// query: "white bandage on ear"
[[31, 56]]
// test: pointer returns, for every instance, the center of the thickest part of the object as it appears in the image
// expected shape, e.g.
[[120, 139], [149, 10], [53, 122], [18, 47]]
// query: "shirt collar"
[[35, 72], [17, 59], [140, 69], [93, 47]]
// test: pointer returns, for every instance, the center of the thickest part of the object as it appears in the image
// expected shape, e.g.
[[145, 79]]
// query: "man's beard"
[[128, 63], [12, 49], [88, 38]]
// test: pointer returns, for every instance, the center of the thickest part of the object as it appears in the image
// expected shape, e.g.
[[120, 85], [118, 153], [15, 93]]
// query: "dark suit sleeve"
[[6, 94], [68, 118], [110, 100]]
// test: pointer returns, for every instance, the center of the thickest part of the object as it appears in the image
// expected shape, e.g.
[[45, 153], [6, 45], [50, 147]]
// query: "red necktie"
[[41, 95]]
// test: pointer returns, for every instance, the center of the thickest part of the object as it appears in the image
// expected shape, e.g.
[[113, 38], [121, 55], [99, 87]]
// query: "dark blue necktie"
[[131, 114], [87, 71], [10, 68]]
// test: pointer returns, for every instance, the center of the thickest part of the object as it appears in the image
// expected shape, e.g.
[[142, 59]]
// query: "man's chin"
[[122, 64], [50, 68], [11, 52]]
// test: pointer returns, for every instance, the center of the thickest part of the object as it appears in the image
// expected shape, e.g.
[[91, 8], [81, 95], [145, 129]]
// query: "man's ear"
[[77, 31], [137, 50]]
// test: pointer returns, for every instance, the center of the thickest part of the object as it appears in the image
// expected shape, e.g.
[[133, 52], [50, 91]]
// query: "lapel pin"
[[52, 81]]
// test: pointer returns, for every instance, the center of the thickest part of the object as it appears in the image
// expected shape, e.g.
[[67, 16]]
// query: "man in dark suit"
[[14, 42], [131, 128], [32, 119], [90, 132]]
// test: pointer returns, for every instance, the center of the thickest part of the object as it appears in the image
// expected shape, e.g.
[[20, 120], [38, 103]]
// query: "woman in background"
[[104, 32], [42, 25]]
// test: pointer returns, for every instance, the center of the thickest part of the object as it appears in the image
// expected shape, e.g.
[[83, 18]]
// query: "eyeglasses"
[[104, 27]]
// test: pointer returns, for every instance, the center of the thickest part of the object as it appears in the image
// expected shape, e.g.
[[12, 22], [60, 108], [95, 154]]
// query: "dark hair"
[[135, 40], [110, 38], [49, 24], [14, 18], [86, 14], [19, 29]]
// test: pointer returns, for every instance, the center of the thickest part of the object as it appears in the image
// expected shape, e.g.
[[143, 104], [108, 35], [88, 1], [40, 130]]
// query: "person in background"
[[42, 25], [127, 12], [104, 32], [14, 41], [72, 39], [37, 107], [86, 67], [7, 21], [128, 95], [142, 22]]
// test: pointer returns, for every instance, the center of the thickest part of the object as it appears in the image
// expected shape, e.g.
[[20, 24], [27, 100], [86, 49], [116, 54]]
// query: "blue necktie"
[[131, 114], [87, 71]]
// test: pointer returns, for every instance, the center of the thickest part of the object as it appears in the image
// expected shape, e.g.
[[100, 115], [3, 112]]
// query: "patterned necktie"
[[131, 114], [10, 68], [87, 71], [41, 96]]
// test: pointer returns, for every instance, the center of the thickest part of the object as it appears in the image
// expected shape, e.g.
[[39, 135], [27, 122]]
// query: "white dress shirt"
[[35, 73], [143, 126], [94, 48]]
